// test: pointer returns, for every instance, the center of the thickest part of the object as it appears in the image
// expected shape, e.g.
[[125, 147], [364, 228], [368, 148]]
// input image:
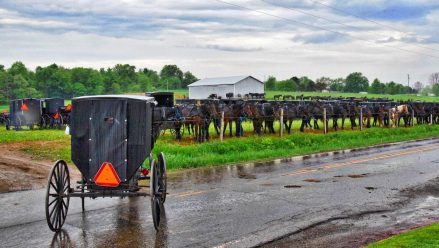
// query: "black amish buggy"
[[25, 112], [166, 116], [52, 115], [111, 138]]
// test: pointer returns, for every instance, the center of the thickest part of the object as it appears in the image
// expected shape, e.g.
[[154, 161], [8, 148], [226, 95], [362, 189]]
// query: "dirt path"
[[20, 171]]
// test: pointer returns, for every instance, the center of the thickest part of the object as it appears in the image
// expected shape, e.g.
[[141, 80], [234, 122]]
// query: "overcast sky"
[[212, 38]]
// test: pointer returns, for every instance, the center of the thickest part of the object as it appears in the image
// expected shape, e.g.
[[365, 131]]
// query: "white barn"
[[241, 85]]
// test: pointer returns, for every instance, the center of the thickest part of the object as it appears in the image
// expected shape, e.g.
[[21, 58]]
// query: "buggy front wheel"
[[57, 195]]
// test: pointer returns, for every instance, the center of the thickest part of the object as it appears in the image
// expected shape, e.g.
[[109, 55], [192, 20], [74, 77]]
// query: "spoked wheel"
[[57, 195], [155, 202], [155, 196], [161, 173]]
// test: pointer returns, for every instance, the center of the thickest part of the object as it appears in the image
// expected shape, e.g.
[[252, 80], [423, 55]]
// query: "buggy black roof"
[[132, 97]]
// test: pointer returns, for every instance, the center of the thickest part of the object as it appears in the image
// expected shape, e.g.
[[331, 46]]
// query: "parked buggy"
[[51, 112], [25, 113], [166, 116], [111, 138]]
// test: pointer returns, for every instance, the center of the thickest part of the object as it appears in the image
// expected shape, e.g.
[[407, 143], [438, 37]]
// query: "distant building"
[[240, 85]]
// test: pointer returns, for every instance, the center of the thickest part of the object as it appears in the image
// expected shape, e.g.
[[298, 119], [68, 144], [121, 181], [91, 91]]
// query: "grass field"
[[54, 144], [418, 238]]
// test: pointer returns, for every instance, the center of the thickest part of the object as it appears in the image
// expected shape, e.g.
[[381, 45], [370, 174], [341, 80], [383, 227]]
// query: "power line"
[[322, 28], [371, 21]]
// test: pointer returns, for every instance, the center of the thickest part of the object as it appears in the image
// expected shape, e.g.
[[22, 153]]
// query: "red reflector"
[[145, 172], [24, 107], [107, 176], [56, 116], [69, 107], [4, 111]]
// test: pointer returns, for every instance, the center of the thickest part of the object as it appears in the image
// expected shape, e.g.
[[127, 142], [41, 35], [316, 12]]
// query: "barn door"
[[108, 136]]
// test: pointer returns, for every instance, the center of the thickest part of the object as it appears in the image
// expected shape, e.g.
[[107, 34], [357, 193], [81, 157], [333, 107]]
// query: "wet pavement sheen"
[[232, 206]]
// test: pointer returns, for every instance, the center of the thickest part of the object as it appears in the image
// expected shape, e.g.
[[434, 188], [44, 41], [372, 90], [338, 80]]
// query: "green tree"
[[435, 89], [270, 84], [356, 82], [169, 71], [376, 87], [337, 84], [286, 85], [306, 84], [322, 83], [188, 78], [18, 68], [78, 89]]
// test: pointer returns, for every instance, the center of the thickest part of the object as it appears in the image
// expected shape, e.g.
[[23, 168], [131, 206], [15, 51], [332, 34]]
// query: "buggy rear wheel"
[[155, 196], [162, 179], [57, 195]]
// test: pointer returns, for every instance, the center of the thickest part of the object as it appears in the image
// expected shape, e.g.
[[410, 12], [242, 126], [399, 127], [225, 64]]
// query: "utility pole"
[[408, 80]]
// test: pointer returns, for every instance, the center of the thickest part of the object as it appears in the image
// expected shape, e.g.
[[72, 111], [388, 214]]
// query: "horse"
[[339, 111]]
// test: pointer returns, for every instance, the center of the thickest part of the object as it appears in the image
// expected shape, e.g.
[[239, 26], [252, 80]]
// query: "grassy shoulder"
[[421, 237], [54, 144]]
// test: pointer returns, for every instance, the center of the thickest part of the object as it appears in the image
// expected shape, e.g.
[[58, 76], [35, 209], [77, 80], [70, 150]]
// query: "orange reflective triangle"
[[69, 107], [24, 107], [56, 116], [107, 176]]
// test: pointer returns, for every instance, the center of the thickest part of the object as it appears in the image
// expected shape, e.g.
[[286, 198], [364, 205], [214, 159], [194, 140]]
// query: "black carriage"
[[52, 115], [25, 113], [166, 116], [112, 137]]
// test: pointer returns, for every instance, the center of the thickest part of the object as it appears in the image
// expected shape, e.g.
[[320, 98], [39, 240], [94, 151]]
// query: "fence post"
[[324, 121], [222, 126], [281, 122], [413, 118], [361, 119], [431, 119]]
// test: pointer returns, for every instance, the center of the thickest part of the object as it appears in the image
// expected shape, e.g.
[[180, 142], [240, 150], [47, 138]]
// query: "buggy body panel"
[[115, 129]]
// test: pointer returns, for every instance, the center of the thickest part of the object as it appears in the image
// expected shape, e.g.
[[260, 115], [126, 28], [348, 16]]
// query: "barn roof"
[[221, 81]]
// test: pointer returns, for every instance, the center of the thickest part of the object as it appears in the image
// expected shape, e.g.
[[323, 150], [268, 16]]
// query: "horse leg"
[[230, 129], [207, 129], [302, 126]]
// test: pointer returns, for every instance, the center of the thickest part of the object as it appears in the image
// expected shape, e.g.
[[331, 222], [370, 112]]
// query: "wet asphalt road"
[[234, 206]]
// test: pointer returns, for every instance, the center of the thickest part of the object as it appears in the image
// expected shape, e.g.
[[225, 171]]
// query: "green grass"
[[421, 237], [54, 144], [403, 97]]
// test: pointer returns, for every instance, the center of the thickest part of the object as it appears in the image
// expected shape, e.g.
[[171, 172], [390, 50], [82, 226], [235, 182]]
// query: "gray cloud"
[[214, 39]]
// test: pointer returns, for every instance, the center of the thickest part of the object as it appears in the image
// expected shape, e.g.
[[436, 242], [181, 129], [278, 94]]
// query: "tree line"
[[57, 81], [354, 83]]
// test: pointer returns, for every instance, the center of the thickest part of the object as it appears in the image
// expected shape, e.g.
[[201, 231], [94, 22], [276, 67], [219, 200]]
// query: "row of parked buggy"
[[36, 112]]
